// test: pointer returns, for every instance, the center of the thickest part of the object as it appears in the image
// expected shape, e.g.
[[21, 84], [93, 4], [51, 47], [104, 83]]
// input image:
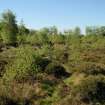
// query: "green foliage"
[[48, 86], [60, 53], [57, 39], [21, 39], [48, 67], [95, 30], [9, 27], [37, 39], [23, 67], [53, 30], [22, 30], [77, 31], [33, 39]]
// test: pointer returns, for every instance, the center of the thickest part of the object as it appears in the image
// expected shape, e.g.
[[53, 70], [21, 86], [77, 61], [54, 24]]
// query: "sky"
[[64, 14]]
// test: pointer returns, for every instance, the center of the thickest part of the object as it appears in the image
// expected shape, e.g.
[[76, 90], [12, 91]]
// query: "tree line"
[[12, 33]]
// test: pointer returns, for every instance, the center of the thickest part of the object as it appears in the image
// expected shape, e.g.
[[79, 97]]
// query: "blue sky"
[[64, 14]]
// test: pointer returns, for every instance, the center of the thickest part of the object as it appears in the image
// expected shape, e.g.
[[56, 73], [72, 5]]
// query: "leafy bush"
[[9, 27], [23, 66], [21, 39], [33, 39], [57, 39], [37, 39]]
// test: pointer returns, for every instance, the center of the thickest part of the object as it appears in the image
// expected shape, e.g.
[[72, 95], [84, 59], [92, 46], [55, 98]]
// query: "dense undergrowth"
[[47, 67]]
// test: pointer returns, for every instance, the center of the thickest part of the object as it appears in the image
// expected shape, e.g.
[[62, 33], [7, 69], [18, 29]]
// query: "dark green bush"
[[57, 70]]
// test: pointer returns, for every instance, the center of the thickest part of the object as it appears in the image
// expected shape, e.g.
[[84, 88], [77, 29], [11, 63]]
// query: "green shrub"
[[21, 39], [60, 53], [23, 66], [57, 39], [48, 86], [33, 39], [9, 27], [38, 38]]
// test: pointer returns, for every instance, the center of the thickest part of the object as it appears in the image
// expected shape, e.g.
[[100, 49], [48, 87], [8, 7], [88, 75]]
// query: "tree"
[[53, 30], [22, 30], [0, 31], [68, 32], [77, 31], [45, 31], [101, 30], [9, 27], [91, 30]]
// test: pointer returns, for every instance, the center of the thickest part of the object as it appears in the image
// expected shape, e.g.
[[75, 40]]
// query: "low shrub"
[[23, 66]]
